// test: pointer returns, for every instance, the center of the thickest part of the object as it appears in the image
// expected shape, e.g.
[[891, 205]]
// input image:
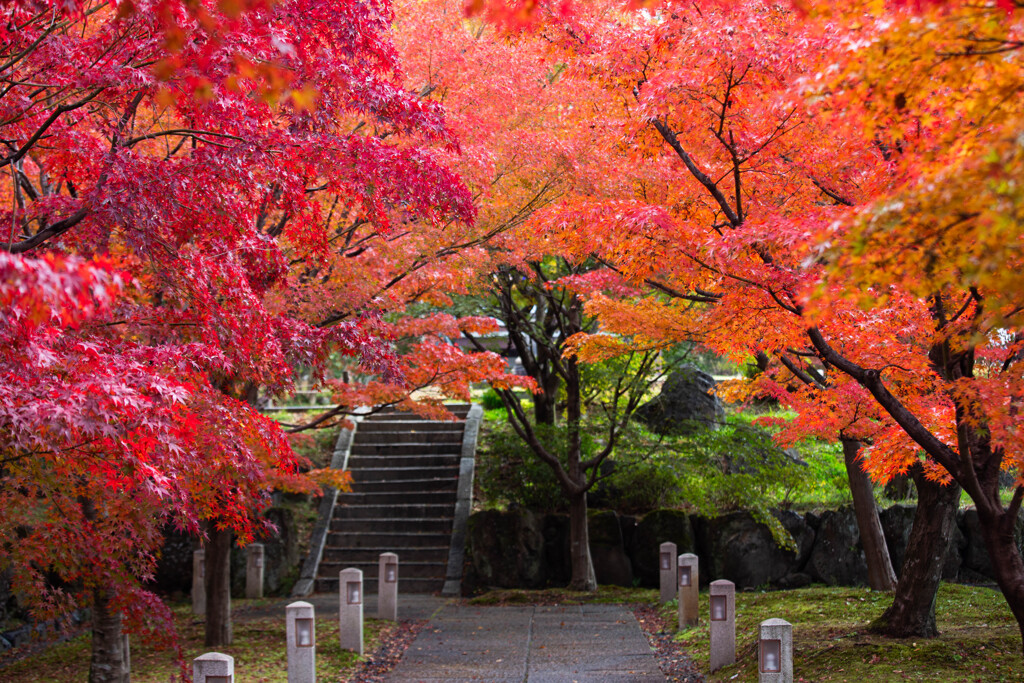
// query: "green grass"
[[978, 641], [259, 652]]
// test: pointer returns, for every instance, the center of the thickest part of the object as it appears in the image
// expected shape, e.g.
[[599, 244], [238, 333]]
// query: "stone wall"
[[521, 549], [173, 576]]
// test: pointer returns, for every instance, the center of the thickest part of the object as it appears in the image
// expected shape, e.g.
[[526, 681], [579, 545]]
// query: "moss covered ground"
[[258, 649], [978, 641]]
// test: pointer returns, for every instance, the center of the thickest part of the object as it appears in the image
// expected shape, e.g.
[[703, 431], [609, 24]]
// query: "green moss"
[[978, 641], [258, 649]]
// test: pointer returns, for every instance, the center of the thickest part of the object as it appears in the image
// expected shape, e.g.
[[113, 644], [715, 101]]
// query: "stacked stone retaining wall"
[[524, 549]]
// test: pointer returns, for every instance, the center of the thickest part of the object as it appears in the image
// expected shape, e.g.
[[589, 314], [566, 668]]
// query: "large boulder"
[[657, 527], [173, 575], [897, 523], [977, 565], [557, 563], [607, 551], [838, 557], [506, 549], [684, 405], [739, 548]]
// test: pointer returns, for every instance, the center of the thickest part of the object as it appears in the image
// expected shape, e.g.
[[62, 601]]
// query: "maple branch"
[[701, 296], [872, 381], [670, 137], [522, 427], [52, 230], [43, 35], [798, 372], [1014, 507], [333, 412], [57, 113], [185, 132], [835, 196]]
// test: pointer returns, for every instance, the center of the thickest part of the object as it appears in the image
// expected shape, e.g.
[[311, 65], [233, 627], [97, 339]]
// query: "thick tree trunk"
[[912, 612], [583, 578], [1007, 563], [881, 576], [218, 588], [109, 654]]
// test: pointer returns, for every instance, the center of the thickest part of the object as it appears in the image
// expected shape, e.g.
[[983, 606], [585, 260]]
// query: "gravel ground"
[[675, 664]]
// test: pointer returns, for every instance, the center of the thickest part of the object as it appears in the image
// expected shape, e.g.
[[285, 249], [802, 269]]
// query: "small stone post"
[[300, 632], [775, 652], [387, 587], [254, 570], [213, 667], [350, 609], [199, 582], [723, 623], [689, 600], [667, 568]]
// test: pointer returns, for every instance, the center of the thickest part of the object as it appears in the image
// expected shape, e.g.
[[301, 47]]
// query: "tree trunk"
[[544, 401], [218, 588], [109, 662], [912, 613], [1007, 563], [881, 576], [583, 578]]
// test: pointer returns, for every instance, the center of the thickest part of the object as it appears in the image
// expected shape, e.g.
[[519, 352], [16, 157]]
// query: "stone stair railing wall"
[[411, 486], [521, 549]]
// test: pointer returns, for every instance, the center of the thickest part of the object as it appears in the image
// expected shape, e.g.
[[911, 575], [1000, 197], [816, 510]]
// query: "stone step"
[[389, 496], [409, 436], [406, 570], [365, 525], [393, 426], [388, 538], [411, 485], [430, 553], [366, 474], [405, 585], [423, 448], [403, 511], [428, 462], [461, 409]]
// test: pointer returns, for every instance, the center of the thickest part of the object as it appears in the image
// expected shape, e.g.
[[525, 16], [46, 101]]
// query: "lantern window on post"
[[666, 560], [353, 593], [304, 633], [771, 656], [391, 572], [719, 607], [685, 577]]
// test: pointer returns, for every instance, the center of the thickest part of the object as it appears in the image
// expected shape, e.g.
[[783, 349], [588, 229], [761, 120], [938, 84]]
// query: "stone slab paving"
[[533, 644]]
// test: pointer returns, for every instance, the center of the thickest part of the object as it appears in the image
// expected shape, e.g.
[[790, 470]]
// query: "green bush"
[[491, 401], [736, 467], [508, 472]]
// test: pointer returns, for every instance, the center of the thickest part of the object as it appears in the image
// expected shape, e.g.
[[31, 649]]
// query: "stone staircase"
[[405, 473]]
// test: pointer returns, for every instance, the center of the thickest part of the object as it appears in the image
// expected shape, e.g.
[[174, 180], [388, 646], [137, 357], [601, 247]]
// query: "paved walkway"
[[535, 644]]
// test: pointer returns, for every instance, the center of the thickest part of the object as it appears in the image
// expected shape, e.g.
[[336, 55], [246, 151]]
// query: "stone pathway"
[[534, 644]]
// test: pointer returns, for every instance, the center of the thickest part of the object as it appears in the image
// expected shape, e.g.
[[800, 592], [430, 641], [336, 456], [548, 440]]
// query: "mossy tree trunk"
[[912, 612], [881, 576]]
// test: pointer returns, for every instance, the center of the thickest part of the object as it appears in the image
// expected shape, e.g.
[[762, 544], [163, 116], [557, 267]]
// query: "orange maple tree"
[[767, 189]]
